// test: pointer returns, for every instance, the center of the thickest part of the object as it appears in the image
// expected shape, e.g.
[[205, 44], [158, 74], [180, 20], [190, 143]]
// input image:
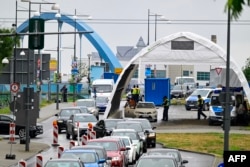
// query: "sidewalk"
[[34, 148]]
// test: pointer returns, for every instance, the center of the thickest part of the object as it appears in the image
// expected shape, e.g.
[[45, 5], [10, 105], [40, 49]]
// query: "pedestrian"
[[64, 91], [133, 93], [165, 108], [200, 108], [137, 93]]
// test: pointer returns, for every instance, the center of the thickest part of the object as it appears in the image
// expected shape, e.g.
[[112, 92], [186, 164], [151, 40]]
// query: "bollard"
[[91, 135], [71, 144], [84, 139], [39, 160], [12, 133], [60, 151], [55, 135], [22, 163]]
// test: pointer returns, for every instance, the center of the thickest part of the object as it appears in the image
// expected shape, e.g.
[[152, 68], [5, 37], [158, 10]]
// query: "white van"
[[184, 80], [102, 87]]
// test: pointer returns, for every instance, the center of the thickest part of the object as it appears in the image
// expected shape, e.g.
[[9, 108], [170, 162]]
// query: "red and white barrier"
[[71, 144], [84, 139], [22, 163], [12, 132], [39, 160], [60, 151], [55, 136], [91, 135]]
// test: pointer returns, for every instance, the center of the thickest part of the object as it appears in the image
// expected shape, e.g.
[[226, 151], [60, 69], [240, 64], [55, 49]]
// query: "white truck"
[[102, 87]]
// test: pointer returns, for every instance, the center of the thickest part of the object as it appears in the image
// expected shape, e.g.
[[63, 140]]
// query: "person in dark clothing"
[[200, 108], [64, 91], [165, 108]]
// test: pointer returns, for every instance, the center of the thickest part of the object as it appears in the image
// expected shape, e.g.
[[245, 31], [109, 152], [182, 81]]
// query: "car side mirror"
[[128, 148], [122, 149], [56, 115]]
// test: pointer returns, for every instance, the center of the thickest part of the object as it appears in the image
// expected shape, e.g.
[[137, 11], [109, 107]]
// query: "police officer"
[[200, 108], [133, 92], [165, 108], [137, 93]]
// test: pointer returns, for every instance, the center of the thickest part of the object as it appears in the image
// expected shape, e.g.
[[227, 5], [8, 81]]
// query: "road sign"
[[14, 87]]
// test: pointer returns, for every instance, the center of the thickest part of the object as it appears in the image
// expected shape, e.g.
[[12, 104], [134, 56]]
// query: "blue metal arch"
[[104, 51]]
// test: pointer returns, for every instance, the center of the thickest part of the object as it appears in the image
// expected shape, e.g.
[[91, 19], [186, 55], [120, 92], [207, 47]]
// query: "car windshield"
[[101, 100], [179, 87], [103, 88], [159, 162], [86, 157], [111, 123], [145, 123], [86, 103], [109, 146], [145, 105], [136, 126], [85, 118], [201, 92], [126, 141], [84, 110], [132, 135], [62, 163], [69, 112], [165, 152]]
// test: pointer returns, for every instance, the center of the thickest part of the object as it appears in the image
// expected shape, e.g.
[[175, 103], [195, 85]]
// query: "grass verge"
[[212, 143]]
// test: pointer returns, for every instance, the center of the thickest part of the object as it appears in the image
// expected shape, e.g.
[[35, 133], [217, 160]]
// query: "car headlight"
[[151, 134], [115, 158], [60, 121], [154, 112]]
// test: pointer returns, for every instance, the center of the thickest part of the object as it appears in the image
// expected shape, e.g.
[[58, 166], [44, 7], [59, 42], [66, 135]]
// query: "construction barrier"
[[22, 163], [84, 139], [12, 132], [60, 151], [91, 135], [71, 144], [55, 135], [39, 160]]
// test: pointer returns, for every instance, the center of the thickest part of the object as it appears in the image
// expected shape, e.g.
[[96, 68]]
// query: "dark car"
[[178, 91], [138, 128], [81, 121], [148, 129], [64, 115], [156, 160], [169, 152], [105, 127], [20, 130]]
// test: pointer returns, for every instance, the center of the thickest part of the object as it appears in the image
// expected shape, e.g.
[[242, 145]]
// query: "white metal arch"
[[204, 52]]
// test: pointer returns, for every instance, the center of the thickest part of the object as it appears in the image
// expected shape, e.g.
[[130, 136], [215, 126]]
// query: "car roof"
[[88, 147], [64, 160], [85, 100], [73, 107], [104, 139], [130, 122], [88, 114], [80, 150], [124, 130]]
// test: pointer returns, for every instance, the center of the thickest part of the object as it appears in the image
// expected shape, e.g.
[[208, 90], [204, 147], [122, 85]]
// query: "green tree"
[[7, 42], [246, 70], [236, 7]]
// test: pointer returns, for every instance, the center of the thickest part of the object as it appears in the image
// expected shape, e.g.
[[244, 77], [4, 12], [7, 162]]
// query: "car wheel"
[[22, 133], [32, 135], [210, 122], [153, 145]]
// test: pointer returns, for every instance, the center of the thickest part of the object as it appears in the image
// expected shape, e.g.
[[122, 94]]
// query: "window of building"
[[203, 76], [185, 73]]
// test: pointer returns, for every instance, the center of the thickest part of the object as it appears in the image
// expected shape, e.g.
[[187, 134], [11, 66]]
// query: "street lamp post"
[[28, 92], [58, 16], [155, 15]]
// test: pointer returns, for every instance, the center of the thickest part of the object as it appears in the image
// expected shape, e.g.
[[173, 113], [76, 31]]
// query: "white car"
[[142, 110], [129, 144], [90, 104], [137, 141]]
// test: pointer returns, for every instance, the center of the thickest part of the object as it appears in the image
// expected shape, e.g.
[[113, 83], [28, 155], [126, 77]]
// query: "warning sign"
[[218, 70], [14, 87]]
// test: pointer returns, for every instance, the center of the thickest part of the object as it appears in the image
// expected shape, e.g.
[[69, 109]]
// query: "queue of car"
[[118, 143]]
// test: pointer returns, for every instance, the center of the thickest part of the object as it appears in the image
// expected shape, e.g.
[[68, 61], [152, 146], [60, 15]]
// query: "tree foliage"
[[7, 42], [236, 7], [246, 70]]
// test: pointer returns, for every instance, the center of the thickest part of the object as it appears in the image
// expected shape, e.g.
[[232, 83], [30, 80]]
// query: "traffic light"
[[36, 41]]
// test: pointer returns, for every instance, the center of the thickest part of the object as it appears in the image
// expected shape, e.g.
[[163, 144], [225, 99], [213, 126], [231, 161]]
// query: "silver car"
[[90, 104]]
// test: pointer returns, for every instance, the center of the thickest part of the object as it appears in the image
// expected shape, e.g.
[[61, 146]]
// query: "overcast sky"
[[106, 21]]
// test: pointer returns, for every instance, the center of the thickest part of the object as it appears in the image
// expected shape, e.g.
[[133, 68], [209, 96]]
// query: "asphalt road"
[[179, 120]]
